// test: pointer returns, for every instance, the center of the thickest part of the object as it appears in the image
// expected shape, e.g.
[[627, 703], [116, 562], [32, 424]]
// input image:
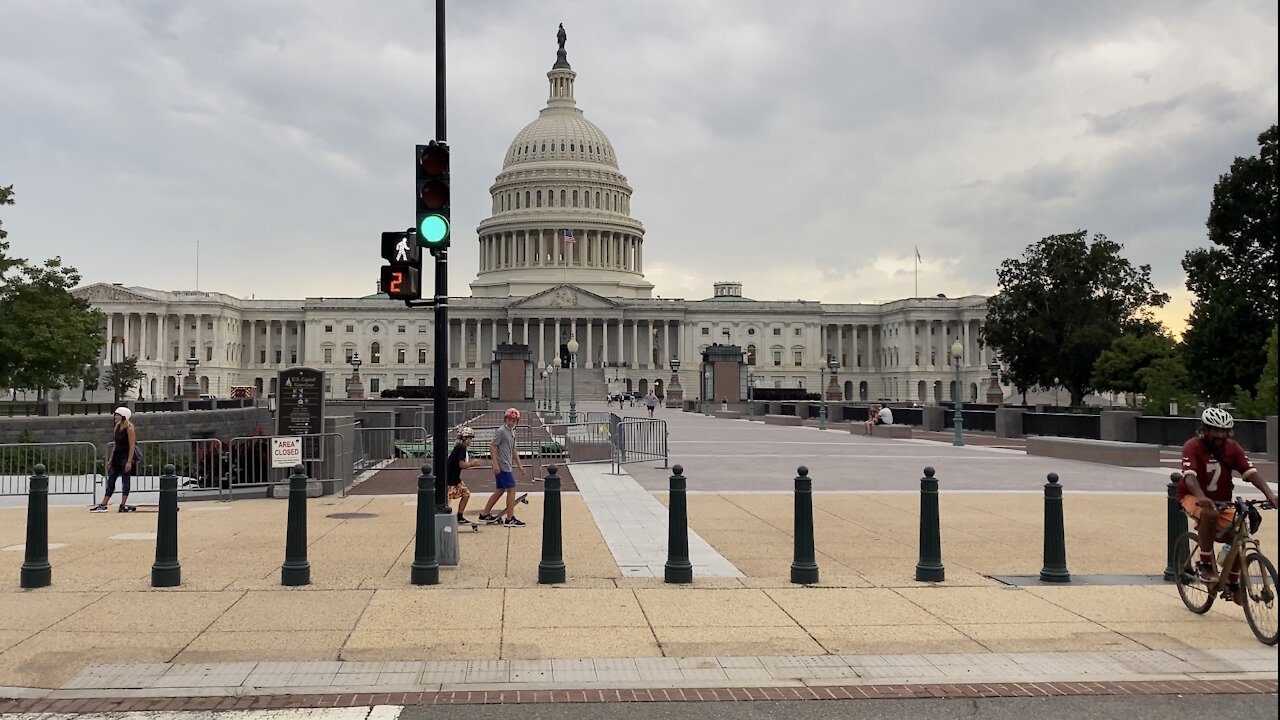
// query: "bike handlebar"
[[1261, 504]]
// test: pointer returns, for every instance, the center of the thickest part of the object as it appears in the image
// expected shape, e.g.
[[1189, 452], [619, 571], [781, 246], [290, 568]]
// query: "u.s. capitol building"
[[534, 288]]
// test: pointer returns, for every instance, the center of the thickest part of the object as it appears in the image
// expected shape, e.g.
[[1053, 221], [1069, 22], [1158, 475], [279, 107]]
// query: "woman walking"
[[124, 446]]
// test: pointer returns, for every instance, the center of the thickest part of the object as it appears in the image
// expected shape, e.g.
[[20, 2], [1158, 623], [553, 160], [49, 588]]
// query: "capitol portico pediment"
[[103, 292], [564, 297]]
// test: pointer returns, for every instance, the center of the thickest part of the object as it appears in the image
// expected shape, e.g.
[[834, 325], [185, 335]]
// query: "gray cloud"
[[805, 153]]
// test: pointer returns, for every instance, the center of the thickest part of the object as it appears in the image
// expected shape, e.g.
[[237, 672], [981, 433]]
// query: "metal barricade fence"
[[74, 468], [198, 462], [378, 445], [640, 440], [248, 461]]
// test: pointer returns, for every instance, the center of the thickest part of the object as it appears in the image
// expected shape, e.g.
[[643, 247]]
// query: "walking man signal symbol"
[[402, 250]]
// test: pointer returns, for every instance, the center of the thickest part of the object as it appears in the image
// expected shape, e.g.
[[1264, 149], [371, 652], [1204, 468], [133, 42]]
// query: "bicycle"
[[1258, 582]]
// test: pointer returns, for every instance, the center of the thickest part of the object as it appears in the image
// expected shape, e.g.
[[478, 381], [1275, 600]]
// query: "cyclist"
[[1208, 460]]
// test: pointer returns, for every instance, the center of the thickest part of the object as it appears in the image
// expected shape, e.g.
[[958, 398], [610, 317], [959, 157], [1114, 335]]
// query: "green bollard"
[[929, 568], [1177, 524], [551, 568], [804, 567], [166, 571], [425, 569], [1055, 537], [678, 568], [36, 571], [296, 570]]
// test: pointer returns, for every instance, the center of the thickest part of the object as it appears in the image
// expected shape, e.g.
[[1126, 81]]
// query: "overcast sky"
[[803, 148]]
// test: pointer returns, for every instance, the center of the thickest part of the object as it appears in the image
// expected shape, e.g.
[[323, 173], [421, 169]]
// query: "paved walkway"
[[635, 526], [231, 630]]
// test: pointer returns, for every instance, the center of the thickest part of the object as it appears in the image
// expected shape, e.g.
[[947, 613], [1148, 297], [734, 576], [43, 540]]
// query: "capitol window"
[[551, 198], [375, 353], [328, 328], [575, 198], [561, 198], [539, 198]]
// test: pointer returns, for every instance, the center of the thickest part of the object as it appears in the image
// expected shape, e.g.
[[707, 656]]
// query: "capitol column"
[[590, 344], [635, 338]]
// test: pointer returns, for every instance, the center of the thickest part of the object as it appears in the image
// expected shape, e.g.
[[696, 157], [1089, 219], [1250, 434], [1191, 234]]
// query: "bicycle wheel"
[[1196, 595], [1259, 587]]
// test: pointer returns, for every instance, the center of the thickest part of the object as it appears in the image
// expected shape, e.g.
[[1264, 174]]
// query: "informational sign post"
[[300, 402], [286, 452]]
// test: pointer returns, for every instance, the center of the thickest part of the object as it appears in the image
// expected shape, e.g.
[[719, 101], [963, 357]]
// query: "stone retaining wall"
[[222, 424]]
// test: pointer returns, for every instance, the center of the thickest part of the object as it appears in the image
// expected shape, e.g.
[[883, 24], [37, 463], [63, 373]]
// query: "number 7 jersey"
[[1213, 475]]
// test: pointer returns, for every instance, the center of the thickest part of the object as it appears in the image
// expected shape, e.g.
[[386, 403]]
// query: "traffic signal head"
[[432, 183]]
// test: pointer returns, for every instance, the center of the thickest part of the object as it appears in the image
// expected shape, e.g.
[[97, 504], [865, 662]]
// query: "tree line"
[[49, 338], [1073, 312]]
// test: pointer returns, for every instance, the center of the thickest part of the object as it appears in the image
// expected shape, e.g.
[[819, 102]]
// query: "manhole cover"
[[351, 516]]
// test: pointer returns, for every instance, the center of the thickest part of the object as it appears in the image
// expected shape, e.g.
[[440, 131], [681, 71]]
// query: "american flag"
[[568, 237]]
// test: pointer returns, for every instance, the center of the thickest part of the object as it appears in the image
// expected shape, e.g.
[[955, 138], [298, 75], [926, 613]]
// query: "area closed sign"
[[286, 451]]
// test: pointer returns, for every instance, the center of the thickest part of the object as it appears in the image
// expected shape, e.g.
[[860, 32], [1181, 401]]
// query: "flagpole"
[[917, 273]]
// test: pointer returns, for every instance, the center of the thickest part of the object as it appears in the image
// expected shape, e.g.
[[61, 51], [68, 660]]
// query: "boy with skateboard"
[[505, 458], [457, 463]]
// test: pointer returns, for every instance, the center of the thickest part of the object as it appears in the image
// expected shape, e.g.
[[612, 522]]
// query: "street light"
[[822, 413], [674, 392], [191, 388], [751, 400], [546, 394], [117, 357], [177, 385], [554, 370], [572, 347], [355, 388], [957, 352], [1055, 394]]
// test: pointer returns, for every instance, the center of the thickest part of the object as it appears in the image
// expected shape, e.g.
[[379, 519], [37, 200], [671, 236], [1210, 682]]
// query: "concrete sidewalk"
[[232, 613]]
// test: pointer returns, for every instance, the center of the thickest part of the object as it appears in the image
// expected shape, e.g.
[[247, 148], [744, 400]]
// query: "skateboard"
[[522, 498]]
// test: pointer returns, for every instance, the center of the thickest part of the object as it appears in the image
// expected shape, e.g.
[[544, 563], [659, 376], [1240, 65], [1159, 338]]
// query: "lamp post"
[[706, 387], [546, 395], [117, 357], [957, 352], [1055, 394], [554, 370], [572, 346], [191, 386], [674, 393], [822, 413], [177, 385], [355, 388]]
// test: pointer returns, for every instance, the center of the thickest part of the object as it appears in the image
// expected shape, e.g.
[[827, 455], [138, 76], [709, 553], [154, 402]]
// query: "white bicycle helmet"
[[1217, 418], [466, 432]]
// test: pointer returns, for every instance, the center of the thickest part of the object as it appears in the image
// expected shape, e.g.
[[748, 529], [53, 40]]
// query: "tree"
[[89, 381], [1062, 304], [1166, 381], [122, 376], [1235, 282], [49, 335], [1118, 369], [1265, 400]]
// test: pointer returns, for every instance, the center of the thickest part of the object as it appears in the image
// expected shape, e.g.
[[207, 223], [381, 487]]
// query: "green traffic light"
[[433, 230]]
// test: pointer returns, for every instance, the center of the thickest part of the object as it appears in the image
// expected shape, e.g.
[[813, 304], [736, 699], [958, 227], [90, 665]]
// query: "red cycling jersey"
[[1213, 474]]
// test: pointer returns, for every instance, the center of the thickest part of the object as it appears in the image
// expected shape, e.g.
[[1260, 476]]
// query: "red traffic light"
[[434, 159]]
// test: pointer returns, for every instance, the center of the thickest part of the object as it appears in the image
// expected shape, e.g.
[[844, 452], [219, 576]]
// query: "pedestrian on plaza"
[[504, 458], [873, 419], [458, 461], [651, 401], [124, 454]]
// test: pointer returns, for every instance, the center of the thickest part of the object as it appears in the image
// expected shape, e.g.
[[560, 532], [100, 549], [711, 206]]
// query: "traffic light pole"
[[440, 414]]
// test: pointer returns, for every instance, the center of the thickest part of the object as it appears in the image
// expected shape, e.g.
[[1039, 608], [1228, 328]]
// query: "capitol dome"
[[561, 209]]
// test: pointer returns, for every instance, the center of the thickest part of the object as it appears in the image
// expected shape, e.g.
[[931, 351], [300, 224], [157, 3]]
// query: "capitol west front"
[[560, 179]]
